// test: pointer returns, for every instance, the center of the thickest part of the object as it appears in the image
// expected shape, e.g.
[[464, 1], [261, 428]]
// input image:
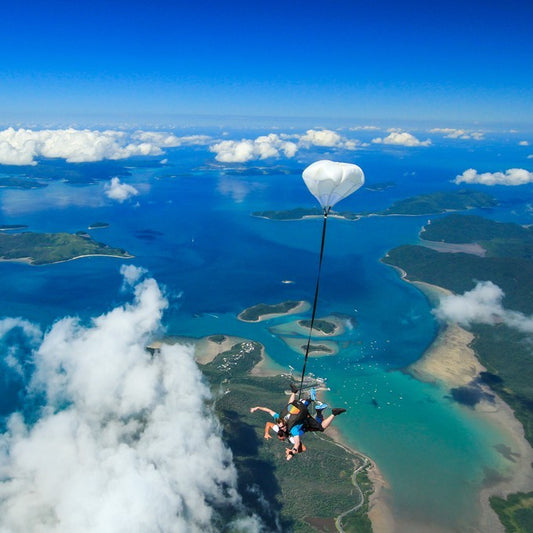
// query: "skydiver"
[[292, 425]]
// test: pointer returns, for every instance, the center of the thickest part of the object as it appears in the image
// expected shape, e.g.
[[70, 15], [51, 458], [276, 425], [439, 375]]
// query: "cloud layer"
[[124, 441], [482, 305], [513, 176], [23, 146]]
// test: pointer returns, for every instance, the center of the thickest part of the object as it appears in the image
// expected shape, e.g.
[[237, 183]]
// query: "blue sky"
[[458, 62]]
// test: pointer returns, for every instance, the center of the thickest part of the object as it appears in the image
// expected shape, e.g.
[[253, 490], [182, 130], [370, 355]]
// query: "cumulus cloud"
[[327, 138], [263, 147], [116, 190], [125, 441], [455, 133], [22, 146], [512, 176], [275, 145], [401, 138], [482, 305], [523, 143]]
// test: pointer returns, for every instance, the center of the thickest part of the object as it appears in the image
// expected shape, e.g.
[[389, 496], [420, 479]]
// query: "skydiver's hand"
[[253, 409], [267, 436]]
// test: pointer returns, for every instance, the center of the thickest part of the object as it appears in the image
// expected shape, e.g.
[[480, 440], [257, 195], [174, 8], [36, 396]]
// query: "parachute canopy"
[[330, 182]]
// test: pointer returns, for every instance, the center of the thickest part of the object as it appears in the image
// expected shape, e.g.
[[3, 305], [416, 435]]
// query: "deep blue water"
[[191, 227]]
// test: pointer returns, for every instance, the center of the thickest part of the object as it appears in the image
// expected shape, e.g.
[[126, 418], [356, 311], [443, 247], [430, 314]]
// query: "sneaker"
[[293, 387], [337, 411], [313, 394], [319, 406]]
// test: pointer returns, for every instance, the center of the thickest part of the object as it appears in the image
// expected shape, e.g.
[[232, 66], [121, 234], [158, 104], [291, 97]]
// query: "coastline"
[[30, 260], [451, 361]]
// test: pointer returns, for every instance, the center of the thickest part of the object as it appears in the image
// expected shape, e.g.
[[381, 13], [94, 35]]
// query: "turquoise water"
[[190, 226]]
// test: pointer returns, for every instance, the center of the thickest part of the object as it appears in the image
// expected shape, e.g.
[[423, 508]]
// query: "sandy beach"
[[296, 328], [451, 361], [302, 307]]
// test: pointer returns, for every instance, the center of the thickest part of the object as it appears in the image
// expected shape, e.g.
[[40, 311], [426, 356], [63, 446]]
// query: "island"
[[13, 182], [286, 492], [99, 225], [380, 186], [262, 311], [423, 204], [46, 248], [11, 227], [329, 326], [500, 360], [322, 349]]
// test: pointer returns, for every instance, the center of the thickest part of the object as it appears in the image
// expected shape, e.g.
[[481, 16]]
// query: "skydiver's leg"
[[336, 411]]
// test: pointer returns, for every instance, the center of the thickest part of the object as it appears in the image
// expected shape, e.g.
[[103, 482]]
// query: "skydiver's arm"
[[264, 409], [296, 447], [268, 427]]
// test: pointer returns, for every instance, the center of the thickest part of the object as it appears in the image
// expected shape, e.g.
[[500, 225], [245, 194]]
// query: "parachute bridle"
[[326, 212]]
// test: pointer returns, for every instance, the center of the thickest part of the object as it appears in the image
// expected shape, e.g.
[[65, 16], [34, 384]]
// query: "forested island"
[[504, 351], [262, 311], [423, 204], [45, 248], [99, 225]]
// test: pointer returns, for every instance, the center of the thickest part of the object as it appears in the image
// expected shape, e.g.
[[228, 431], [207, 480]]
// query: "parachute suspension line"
[[326, 212]]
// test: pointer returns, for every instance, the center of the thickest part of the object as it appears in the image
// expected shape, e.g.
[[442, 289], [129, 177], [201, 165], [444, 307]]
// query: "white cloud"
[[119, 191], [275, 145], [455, 133], [512, 176], [482, 305], [263, 147], [169, 140], [523, 143], [326, 138], [401, 139], [22, 146], [364, 128], [125, 440]]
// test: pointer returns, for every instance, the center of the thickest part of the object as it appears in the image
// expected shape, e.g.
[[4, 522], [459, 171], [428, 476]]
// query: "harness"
[[293, 414]]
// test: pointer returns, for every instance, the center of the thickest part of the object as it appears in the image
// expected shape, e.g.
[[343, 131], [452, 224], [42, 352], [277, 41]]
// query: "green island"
[[263, 311], [380, 186], [323, 326], [294, 498], [99, 225], [505, 352], [46, 248], [424, 204], [20, 183], [9, 227], [440, 202]]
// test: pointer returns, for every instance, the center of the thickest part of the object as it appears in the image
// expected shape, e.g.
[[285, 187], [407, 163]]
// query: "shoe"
[[337, 411], [293, 387], [313, 394], [319, 406]]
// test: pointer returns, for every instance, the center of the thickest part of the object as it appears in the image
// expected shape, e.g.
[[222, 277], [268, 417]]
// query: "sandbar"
[[297, 328], [298, 344], [301, 307], [451, 361]]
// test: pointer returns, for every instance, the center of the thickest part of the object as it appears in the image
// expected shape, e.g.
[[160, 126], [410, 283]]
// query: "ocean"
[[191, 228]]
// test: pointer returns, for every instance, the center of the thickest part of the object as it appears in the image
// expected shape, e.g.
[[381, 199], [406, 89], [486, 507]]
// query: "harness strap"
[[326, 212]]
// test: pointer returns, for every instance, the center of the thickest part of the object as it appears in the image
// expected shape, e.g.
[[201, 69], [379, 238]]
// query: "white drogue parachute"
[[330, 182]]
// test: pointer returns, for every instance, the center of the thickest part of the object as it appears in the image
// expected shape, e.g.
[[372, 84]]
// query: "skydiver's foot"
[[319, 406], [337, 411], [313, 394], [293, 387]]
